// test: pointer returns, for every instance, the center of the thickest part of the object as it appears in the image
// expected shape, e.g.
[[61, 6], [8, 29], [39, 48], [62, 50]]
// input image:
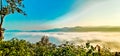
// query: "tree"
[[10, 7]]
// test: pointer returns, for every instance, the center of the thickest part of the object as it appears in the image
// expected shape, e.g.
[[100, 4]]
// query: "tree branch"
[[2, 18]]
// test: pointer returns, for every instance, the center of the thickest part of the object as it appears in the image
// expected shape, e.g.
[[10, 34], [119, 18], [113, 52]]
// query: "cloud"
[[91, 13]]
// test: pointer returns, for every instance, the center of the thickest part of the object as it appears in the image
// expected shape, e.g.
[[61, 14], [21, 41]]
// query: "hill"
[[84, 29], [74, 29]]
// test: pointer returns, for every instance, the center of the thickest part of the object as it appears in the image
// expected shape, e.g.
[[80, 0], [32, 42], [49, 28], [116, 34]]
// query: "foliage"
[[9, 7], [17, 47]]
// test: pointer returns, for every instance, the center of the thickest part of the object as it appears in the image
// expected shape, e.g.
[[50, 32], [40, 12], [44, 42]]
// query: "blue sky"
[[38, 12], [47, 14]]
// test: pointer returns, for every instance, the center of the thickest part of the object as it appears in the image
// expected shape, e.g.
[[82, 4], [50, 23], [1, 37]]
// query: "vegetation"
[[15, 47], [10, 7]]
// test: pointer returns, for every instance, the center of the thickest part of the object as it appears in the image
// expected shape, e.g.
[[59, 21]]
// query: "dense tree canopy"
[[17, 47]]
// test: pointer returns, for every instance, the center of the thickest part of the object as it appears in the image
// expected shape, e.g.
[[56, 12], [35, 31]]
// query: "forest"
[[15, 47]]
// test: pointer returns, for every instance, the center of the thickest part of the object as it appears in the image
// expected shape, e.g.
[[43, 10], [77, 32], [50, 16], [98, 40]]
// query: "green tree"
[[10, 7], [16, 47]]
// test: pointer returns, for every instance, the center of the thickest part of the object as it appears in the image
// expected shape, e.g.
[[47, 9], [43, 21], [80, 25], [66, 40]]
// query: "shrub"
[[15, 47]]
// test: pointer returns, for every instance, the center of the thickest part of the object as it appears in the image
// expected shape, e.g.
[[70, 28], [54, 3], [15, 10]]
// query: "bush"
[[17, 47]]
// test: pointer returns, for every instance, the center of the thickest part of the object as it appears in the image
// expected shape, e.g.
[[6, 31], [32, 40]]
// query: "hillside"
[[84, 29], [74, 29]]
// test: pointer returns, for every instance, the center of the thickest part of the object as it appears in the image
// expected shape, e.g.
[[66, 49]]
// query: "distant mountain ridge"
[[74, 29], [13, 31]]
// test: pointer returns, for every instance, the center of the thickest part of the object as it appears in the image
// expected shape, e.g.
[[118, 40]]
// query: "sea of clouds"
[[110, 39]]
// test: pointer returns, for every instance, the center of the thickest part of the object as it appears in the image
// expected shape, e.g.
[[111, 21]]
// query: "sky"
[[48, 14]]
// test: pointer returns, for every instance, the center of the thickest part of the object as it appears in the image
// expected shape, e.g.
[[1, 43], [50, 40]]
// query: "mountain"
[[13, 31], [75, 29], [84, 29]]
